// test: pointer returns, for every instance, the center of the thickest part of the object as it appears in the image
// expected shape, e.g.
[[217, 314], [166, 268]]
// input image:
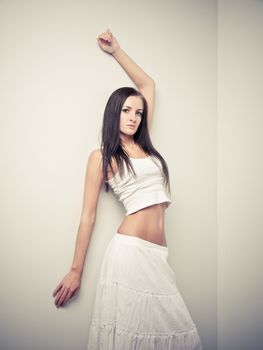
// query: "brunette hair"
[[110, 143]]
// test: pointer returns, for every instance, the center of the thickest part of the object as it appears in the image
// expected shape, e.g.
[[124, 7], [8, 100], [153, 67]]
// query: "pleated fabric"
[[138, 305]]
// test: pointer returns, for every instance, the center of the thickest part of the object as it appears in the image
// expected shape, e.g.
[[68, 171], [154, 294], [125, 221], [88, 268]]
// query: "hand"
[[67, 288], [108, 42]]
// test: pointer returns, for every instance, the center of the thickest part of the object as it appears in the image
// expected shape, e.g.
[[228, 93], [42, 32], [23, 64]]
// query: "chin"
[[129, 133]]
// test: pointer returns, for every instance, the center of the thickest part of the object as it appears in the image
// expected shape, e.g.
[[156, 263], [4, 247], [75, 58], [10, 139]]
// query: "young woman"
[[137, 305]]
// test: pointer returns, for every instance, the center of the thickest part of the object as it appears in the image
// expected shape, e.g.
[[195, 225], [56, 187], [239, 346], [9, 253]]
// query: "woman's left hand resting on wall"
[[67, 288]]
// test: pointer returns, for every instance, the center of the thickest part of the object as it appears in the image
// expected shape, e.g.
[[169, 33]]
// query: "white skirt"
[[138, 305]]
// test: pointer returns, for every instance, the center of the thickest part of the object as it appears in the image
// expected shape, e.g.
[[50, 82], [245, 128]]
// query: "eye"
[[140, 114], [125, 110]]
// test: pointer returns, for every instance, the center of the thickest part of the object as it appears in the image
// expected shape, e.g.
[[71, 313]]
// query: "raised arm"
[[70, 284], [143, 81]]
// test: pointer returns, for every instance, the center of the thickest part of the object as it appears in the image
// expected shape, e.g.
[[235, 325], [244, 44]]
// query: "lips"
[[131, 126]]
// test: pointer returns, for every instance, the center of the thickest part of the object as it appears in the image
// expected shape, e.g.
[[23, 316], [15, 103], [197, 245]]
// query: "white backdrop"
[[240, 174], [55, 82]]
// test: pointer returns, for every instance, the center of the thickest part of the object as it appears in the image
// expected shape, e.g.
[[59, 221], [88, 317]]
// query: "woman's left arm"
[[143, 81]]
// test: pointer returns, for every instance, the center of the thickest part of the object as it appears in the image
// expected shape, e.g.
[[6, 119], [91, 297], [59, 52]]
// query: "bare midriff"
[[147, 223]]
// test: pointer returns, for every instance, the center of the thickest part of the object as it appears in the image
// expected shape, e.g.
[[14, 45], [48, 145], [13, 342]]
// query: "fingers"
[[106, 36], [69, 296], [57, 289], [76, 291], [63, 295]]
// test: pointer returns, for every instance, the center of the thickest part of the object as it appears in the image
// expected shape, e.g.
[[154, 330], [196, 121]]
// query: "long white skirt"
[[138, 305]]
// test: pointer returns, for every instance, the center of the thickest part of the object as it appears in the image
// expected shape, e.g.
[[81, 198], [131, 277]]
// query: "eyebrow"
[[139, 109]]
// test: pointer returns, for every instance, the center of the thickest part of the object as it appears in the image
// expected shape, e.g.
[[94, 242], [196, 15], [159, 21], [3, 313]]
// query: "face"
[[131, 115]]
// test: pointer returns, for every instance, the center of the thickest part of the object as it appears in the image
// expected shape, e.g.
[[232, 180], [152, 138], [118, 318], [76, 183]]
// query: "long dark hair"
[[111, 144]]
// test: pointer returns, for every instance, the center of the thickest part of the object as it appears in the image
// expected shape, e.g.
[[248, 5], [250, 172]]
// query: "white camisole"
[[144, 189]]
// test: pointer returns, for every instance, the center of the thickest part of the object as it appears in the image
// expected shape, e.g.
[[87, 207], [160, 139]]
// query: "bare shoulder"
[[94, 163], [95, 156], [93, 181]]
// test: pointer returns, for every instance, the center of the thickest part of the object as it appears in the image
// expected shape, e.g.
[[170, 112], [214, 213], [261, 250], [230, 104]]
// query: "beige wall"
[[240, 174], [54, 83]]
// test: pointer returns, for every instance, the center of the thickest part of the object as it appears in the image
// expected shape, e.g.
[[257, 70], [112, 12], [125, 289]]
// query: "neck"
[[127, 141]]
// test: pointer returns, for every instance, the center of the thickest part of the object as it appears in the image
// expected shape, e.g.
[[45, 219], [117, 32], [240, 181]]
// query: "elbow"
[[149, 83]]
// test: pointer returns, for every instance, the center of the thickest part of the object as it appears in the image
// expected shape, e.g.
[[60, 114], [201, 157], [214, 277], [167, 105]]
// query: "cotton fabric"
[[138, 305], [143, 189]]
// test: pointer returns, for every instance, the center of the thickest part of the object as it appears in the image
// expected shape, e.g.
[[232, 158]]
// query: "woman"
[[138, 305]]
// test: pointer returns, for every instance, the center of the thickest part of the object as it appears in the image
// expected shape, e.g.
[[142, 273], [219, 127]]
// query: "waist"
[[146, 223]]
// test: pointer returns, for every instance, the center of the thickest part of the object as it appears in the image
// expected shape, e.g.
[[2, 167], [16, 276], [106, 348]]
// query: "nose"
[[132, 116]]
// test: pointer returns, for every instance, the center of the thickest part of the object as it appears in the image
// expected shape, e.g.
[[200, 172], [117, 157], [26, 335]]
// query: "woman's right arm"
[[70, 284]]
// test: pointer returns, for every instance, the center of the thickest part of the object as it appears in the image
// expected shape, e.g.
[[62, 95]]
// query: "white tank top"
[[144, 189]]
